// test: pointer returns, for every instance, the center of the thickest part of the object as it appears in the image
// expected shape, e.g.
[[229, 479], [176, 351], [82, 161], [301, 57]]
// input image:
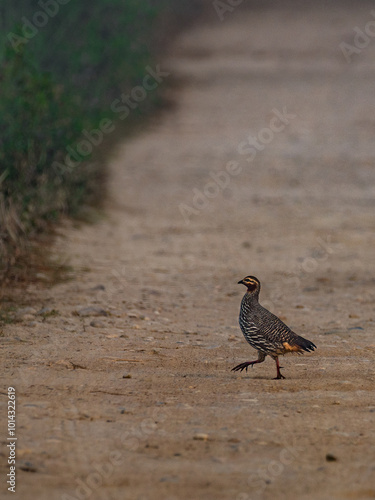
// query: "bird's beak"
[[240, 283]]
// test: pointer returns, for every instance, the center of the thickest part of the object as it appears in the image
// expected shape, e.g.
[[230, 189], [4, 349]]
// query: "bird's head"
[[252, 283]]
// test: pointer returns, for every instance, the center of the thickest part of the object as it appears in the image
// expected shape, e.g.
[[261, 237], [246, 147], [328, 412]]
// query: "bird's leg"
[[261, 358], [278, 369]]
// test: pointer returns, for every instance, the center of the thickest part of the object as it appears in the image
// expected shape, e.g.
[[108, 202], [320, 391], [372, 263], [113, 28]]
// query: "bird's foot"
[[278, 372], [241, 366]]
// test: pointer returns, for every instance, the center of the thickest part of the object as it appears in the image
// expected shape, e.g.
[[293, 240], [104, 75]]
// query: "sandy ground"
[[123, 375]]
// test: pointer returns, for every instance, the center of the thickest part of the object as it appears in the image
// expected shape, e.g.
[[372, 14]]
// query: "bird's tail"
[[305, 344]]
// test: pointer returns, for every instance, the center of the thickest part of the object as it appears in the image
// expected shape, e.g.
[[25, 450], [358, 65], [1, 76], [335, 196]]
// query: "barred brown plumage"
[[264, 331]]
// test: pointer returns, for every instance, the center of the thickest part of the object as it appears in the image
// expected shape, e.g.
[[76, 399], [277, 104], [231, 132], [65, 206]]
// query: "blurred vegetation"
[[61, 67]]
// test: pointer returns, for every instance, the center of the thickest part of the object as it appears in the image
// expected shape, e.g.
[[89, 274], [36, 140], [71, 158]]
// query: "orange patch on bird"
[[291, 348]]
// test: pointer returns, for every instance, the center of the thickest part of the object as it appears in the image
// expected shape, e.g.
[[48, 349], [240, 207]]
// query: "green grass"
[[60, 71], [7, 316]]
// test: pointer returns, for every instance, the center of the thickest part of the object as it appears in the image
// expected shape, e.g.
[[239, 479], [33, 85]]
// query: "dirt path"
[[124, 389]]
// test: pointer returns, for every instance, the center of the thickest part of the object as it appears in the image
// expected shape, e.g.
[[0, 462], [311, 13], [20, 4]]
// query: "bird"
[[264, 331]]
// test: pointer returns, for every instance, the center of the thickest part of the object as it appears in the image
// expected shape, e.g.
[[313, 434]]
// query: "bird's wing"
[[256, 335], [275, 331]]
